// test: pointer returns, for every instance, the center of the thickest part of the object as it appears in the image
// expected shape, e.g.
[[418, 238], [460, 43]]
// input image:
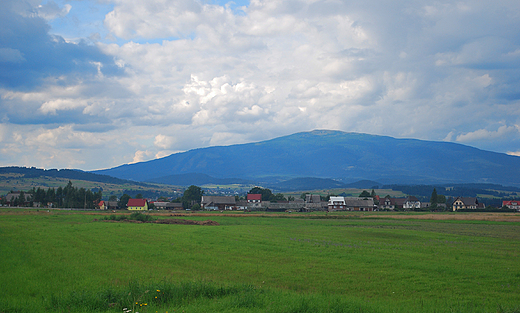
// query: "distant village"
[[253, 202]]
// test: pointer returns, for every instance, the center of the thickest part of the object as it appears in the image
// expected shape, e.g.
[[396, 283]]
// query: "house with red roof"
[[512, 204], [254, 200], [137, 205]]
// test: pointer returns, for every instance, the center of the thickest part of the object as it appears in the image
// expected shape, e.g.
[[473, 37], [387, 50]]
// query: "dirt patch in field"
[[168, 221]]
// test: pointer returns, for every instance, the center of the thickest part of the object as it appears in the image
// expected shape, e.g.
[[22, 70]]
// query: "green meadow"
[[61, 261]]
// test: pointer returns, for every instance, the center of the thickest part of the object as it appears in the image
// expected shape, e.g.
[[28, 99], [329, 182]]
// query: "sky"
[[95, 84]]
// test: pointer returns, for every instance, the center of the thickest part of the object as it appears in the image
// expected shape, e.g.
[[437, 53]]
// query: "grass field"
[[61, 261], [15, 182]]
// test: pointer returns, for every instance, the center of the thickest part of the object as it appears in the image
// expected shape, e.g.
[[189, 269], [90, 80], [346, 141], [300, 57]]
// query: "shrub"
[[138, 216]]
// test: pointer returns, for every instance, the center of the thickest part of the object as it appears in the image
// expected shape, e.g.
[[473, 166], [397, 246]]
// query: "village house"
[[111, 205], [359, 204], [351, 204], [101, 205], [462, 203], [399, 203], [386, 203], [309, 198], [218, 202], [254, 201], [336, 204], [137, 205], [512, 204], [13, 197], [241, 205], [411, 203], [163, 205]]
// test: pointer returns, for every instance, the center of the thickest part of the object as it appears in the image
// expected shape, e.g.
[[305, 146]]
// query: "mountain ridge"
[[335, 155]]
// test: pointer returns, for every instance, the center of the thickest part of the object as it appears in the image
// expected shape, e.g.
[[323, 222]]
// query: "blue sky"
[[96, 84]]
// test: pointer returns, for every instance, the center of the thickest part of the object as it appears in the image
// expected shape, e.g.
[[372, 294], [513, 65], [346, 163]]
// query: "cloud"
[[141, 156], [483, 134], [164, 142], [11, 55], [51, 10], [167, 76], [29, 54]]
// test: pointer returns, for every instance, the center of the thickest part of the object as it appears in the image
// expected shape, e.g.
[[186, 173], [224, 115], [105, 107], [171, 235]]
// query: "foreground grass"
[[60, 262]]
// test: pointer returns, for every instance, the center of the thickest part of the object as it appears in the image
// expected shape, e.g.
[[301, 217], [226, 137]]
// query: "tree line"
[[62, 197]]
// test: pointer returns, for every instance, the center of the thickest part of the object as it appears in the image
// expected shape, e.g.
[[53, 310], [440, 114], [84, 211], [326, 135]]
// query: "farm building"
[[137, 205]]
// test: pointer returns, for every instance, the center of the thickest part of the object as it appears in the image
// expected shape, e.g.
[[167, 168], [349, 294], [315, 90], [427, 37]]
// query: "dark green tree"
[[433, 198], [123, 201], [278, 197], [21, 199], [191, 196], [266, 193], [40, 196], [58, 196], [193, 193], [68, 195], [365, 194]]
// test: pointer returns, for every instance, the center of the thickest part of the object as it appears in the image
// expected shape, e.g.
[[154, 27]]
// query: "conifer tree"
[[433, 198]]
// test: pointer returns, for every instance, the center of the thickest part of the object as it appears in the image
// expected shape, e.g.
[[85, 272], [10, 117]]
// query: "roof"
[[312, 198], [359, 202], [137, 202], [336, 200], [468, 200], [398, 201], [162, 204], [254, 196], [12, 195], [218, 200]]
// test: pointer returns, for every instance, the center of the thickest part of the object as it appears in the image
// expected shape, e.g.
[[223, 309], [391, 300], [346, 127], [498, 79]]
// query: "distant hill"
[[363, 184], [342, 156], [196, 179], [306, 183], [32, 172]]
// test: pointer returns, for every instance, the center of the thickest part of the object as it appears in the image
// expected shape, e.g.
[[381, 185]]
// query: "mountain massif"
[[345, 157]]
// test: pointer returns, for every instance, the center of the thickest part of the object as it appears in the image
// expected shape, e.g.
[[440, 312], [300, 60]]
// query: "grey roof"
[[160, 204], [218, 200], [359, 202], [10, 196], [468, 200], [312, 198]]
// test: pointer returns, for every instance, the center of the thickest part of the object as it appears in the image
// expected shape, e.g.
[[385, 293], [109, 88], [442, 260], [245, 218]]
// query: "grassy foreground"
[[66, 262]]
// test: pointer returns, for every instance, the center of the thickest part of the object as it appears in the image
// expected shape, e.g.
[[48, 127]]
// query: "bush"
[[138, 216]]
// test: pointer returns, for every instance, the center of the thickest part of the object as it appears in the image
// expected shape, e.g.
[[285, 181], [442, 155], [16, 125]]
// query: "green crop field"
[[61, 261]]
